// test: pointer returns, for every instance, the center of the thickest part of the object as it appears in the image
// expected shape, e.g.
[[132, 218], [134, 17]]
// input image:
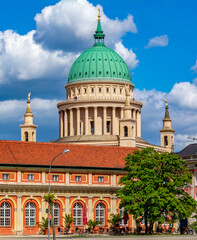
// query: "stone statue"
[[166, 101], [29, 96]]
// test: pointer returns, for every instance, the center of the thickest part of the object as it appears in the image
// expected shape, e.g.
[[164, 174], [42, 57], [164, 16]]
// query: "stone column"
[[60, 124], [90, 178], [65, 124], [43, 178], [104, 119], [90, 211], [86, 121], [43, 208], [19, 177], [121, 113], [67, 205], [139, 124], [95, 121], [113, 120], [19, 216], [71, 122], [78, 121], [67, 178], [113, 204]]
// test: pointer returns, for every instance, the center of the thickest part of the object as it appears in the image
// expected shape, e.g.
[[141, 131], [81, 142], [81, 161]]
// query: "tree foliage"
[[92, 224], [68, 219], [115, 219], [154, 187]]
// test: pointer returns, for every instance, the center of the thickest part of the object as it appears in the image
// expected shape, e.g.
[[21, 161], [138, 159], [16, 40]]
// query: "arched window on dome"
[[5, 214], [77, 214], [125, 131], [30, 214], [100, 213]]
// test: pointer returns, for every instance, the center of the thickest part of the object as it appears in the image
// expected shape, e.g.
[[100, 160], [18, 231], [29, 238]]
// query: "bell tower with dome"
[[96, 90]]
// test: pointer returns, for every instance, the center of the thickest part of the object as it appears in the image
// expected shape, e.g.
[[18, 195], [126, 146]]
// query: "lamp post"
[[65, 151]]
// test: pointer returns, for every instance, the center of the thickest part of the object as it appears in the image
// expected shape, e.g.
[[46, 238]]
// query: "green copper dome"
[[99, 63]]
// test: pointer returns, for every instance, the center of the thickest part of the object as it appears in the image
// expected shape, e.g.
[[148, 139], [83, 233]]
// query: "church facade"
[[100, 124]]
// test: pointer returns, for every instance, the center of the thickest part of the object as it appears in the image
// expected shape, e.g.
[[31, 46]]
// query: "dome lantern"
[[99, 35]]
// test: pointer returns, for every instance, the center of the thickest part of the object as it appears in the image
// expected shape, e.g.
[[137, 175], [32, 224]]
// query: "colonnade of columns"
[[71, 124]]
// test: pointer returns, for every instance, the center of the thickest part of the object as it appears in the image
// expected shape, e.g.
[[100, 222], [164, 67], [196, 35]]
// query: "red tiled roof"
[[37, 153]]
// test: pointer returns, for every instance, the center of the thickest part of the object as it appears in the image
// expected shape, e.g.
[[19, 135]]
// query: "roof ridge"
[[66, 144]]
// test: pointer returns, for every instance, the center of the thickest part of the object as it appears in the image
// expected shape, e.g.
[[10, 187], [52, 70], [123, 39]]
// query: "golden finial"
[[99, 14]]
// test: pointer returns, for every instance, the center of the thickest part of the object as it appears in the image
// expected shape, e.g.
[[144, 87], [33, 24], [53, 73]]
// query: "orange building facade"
[[87, 175]]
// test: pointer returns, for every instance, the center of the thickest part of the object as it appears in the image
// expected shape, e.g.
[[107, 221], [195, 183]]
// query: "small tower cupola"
[[167, 133], [28, 129], [127, 124], [99, 35]]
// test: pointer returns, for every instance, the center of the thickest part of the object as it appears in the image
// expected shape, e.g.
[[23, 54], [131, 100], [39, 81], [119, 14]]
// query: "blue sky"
[[156, 38]]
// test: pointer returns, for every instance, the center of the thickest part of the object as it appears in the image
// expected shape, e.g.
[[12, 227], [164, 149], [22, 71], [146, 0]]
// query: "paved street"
[[163, 237]]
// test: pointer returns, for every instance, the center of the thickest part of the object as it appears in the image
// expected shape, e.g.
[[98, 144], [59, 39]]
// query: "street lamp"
[[65, 151]]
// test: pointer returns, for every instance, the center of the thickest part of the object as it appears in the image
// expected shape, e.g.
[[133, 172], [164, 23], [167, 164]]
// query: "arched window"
[[5, 214], [26, 136], [125, 131], [77, 214], [100, 213], [165, 141], [122, 215], [56, 211], [30, 214]]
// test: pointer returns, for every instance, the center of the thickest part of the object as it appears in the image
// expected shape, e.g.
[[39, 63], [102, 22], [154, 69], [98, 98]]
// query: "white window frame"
[[5, 176], [5, 214], [30, 214], [122, 215], [100, 179], [77, 178], [31, 177], [100, 213], [77, 214], [55, 178], [56, 214]]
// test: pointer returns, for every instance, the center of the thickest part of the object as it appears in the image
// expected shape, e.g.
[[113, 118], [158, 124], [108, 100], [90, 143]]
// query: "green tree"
[[49, 198], [153, 187], [68, 219], [92, 224], [115, 219]]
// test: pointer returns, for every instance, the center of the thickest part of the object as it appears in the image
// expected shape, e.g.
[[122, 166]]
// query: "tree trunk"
[[151, 228]]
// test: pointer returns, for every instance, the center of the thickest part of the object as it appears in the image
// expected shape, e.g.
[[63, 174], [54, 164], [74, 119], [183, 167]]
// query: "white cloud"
[[159, 41], [182, 108], [184, 94], [22, 59], [13, 110], [45, 116], [70, 24], [195, 81], [194, 68], [127, 54], [62, 31]]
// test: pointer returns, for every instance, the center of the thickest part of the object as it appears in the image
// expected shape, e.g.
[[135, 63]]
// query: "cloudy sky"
[[40, 39]]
